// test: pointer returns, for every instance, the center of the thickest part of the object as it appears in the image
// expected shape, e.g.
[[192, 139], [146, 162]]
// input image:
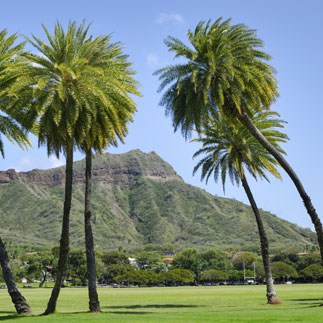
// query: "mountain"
[[137, 199]]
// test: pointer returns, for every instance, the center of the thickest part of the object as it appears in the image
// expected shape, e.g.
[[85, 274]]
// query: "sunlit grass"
[[301, 303]]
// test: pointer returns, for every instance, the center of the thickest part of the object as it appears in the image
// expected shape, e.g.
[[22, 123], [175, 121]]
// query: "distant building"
[[302, 254], [133, 262], [168, 260]]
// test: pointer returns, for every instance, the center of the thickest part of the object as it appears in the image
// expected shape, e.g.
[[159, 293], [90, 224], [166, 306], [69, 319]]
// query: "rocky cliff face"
[[34, 177], [107, 170]]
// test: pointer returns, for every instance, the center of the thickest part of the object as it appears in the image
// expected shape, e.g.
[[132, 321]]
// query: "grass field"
[[301, 303]]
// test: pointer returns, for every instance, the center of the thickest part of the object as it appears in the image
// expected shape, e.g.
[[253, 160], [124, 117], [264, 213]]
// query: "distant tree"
[[260, 272], [178, 276], [283, 271], [312, 272], [224, 69], [77, 268], [114, 258], [14, 133], [244, 259], [290, 259], [148, 259], [159, 266], [111, 272], [146, 277], [215, 259], [228, 149], [235, 275], [188, 259], [39, 265], [305, 261], [213, 275], [127, 277]]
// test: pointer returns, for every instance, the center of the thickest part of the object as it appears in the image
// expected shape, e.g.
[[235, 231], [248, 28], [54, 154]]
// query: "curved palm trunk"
[[244, 119], [16, 297], [272, 297], [64, 242], [41, 284], [94, 304]]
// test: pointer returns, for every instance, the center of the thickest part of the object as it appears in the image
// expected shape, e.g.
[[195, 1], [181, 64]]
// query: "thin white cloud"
[[24, 164], [25, 161], [54, 162], [152, 60], [171, 17]]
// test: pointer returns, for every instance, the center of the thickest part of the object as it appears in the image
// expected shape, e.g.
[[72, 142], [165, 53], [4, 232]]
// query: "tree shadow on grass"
[[153, 306], [106, 312], [15, 316], [10, 317], [306, 299], [133, 307], [312, 302], [130, 312], [7, 312], [107, 309]]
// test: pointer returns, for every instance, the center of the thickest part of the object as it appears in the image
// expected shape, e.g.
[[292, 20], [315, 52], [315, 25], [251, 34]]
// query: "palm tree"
[[62, 85], [14, 133], [226, 70], [94, 304], [230, 149], [106, 124]]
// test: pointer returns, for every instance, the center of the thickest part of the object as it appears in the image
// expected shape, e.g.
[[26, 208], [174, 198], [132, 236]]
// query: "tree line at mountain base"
[[190, 266]]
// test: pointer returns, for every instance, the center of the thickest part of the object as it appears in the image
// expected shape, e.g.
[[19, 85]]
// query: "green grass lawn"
[[301, 303]]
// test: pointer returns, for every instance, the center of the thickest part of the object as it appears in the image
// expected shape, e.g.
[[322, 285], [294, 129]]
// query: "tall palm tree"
[[230, 149], [98, 146], [106, 123], [63, 83], [14, 133], [226, 70]]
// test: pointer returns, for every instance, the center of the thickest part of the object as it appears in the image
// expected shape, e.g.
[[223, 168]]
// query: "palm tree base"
[[95, 308], [94, 304], [273, 299], [20, 303]]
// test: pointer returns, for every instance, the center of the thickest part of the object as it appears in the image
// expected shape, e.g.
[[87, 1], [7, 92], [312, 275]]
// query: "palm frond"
[[224, 69], [77, 87], [230, 150]]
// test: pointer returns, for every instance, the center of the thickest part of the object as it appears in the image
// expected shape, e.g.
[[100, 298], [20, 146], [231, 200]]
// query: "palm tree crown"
[[8, 63], [231, 150], [13, 132], [223, 68], [75, 80]]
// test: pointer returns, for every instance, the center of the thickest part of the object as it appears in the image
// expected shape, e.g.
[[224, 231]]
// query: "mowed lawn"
[[301, 303]]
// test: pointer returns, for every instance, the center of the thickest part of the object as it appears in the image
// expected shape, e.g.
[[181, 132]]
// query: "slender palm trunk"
[[64, 242], [272, 297], [94, 304], [16, 297], [41, 284], [244, 119]]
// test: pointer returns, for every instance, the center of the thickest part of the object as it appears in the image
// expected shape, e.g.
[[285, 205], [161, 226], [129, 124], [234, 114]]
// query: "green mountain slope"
[[137, 199]]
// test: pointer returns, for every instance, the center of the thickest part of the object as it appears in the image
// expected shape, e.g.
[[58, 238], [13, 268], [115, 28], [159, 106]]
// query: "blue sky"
[[292, 32]]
